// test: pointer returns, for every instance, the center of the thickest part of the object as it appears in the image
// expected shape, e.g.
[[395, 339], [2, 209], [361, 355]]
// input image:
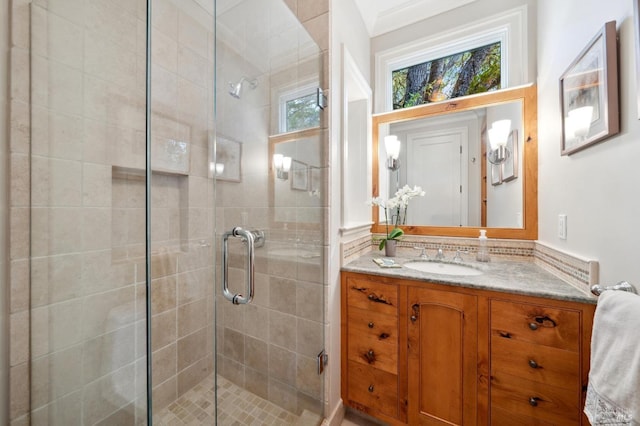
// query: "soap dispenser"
[[483, 250]]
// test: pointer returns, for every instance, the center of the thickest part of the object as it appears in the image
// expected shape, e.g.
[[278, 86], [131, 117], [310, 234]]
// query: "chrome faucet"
[[457, 258], [440, 254], [423, 253]]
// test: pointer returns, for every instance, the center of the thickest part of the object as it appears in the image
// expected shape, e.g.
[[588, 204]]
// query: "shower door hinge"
[[323, 360], [321, 99]]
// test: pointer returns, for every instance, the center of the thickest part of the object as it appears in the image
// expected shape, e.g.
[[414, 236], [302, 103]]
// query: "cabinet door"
[[442, 357]]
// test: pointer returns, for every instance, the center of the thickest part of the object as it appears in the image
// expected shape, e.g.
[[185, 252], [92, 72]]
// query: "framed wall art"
[[589, 93], [229, 155], [299, 175]]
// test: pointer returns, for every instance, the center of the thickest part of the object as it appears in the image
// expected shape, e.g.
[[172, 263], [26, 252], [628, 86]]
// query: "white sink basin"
[[443, 268]]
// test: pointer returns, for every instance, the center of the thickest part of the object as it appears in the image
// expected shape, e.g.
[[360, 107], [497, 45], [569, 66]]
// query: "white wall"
[[596, 188], [4, 148], [348, 30]]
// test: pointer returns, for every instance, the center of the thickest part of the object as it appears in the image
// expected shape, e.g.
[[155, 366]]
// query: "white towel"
[[613, 394]]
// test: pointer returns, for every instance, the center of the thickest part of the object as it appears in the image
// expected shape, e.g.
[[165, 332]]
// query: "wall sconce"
[[215, 169], [498, 137], [579, 122], [282, 165], [392, 147]]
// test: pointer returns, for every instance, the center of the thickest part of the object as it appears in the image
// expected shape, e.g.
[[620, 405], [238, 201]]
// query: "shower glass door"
[[270, 165]]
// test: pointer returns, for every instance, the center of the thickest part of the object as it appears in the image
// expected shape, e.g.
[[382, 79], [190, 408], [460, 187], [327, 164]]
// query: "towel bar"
[[622, 286]]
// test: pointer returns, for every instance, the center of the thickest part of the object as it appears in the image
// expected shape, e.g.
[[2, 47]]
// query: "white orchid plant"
[[396, 209]]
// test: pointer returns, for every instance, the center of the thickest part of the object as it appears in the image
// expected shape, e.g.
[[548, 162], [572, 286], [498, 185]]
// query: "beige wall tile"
[[56, 135], [107, 353], [20, 128], [164, 394], [282, 365], [283, 395], [106, 59], [55, 279], [192, 317], [104, 396], [105, 312], [19, 279], [310, 301], [192, 35], [165, 18], [55, 327], [163, 329], [20, 23], [56, 183], [282, 295], [164, 363], [55, 375], [308, 9], [283, 330], [310, 340], [96, 185], [96, 228], [164, 50], [62, 411], [163, 294], [193, 375], [191, 349], [19, 338], [20, 75], [19, 395], [19, 192], [307, 379], [57, 38]]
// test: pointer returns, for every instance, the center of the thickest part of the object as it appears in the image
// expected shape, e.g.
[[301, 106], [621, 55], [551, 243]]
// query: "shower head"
[[236, 88]]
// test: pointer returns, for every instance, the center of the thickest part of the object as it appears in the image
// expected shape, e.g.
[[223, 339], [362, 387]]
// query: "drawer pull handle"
[[545, 321], [378, 299], [414, 318], [370, 356], [533, 401], [370, 324], [505, 335], [533, 364], [533, 326], [370, 388]]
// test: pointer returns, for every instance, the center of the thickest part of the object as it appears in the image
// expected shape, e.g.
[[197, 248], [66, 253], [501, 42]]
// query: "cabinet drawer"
[[543, 364], [372, 296], [533, 399], [559, 328], [372, 390], [378, 327], [368, 350]]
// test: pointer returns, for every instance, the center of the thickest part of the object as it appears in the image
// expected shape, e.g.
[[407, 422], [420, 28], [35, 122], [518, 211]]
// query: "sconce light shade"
[[498, 137], [499, 133], [580, 120], [219, 168], [286, 164], [392, 147], [282, 165]]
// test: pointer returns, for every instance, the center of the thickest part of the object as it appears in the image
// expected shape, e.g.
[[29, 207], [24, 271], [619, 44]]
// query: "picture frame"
[[229, 153], [496, 174], [510, 166], [314, 180], [589, 93], [299, 175]]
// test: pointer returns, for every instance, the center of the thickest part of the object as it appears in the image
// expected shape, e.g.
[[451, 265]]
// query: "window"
[[299, 109], [473, 71]]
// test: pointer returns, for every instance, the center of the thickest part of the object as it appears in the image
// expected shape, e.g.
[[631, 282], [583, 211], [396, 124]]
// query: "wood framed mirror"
[[466, 192]]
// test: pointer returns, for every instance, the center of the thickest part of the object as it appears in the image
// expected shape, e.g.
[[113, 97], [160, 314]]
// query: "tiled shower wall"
[[77, 208]]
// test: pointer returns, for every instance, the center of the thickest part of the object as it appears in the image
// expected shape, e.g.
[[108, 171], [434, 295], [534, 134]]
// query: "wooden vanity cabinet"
[[427, 354]]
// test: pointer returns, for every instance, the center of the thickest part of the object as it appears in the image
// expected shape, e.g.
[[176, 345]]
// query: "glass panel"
[[267, 349], [466, 73], [87, 357], [182, 191], [302, 113]]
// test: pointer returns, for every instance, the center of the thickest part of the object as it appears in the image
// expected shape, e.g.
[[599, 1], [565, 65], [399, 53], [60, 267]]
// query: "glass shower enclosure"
[[177, 201]]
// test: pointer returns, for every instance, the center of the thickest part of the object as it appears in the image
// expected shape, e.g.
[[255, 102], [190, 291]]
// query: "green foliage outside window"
[[302, 113], [474, 71]]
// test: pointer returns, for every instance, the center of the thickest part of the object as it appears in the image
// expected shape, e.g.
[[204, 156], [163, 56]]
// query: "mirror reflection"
[[445, 155], [475, 157]]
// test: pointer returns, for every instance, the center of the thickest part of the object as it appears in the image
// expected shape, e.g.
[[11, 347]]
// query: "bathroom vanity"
[[509, 346]]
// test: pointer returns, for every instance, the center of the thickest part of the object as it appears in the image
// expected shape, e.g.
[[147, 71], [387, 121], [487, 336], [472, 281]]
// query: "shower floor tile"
[[238, 407]]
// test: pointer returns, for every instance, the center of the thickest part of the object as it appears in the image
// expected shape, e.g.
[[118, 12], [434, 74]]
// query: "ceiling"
[[381, 16]]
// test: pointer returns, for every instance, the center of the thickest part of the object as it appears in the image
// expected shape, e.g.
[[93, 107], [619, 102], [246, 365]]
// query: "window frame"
[[290, 94]]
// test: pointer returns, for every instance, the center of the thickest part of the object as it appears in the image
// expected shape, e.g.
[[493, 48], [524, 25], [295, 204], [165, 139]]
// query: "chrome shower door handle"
[[248, 238]]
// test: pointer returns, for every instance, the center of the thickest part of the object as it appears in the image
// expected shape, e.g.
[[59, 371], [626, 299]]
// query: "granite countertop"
[[511, 276]]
